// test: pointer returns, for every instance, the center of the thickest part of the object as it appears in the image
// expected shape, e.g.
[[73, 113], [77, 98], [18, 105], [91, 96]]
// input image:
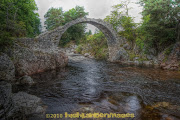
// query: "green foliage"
[[168, 50], [131, 56], [79, 49], [140, 43], [122, 22], [54, 18], [17, 19], [129, 28], [75, 32], [57, 17], [160, 19], [5, 40], [95, 44]]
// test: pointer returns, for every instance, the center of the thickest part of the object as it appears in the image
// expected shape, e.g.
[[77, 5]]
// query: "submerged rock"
[[26, 80]]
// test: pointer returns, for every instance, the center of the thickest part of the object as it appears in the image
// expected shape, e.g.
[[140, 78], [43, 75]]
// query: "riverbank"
[[169, 59], [18, 62]]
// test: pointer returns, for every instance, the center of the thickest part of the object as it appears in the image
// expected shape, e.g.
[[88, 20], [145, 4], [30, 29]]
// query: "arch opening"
[[104, 27]]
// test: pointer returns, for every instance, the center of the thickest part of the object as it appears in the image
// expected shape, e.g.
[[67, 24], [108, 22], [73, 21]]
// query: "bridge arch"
[[106, 28], [111, 35]]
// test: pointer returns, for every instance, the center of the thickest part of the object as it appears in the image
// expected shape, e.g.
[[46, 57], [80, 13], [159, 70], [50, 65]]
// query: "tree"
[[122, 22], [54, 18], [160, 21], [74, 13], [18, 19], [75, 32], [89, 33], [57, 17]]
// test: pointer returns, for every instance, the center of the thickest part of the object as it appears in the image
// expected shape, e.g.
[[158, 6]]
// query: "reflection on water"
[[132, 104], [94, 86]]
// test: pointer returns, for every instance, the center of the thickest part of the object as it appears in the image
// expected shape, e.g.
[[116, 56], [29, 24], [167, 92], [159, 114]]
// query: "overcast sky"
[[96, 8]]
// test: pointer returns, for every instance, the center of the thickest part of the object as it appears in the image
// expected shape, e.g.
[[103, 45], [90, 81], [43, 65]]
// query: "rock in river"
[[28, 103], [26, 80]]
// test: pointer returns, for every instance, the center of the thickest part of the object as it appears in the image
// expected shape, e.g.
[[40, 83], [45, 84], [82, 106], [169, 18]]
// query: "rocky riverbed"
[[89, 86]]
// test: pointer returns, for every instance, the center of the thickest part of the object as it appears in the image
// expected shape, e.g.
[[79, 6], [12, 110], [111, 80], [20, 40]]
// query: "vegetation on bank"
[[18, 18], [158, 29], [95, 44]]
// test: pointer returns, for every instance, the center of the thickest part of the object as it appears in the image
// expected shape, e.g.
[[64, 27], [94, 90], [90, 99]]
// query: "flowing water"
[[90, 86]]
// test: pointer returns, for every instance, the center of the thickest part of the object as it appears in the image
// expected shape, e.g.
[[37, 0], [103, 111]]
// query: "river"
[[90, 86]]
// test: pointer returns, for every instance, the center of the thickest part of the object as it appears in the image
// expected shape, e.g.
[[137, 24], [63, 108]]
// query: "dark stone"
[[7, 108], [26, 80], [7, 69]]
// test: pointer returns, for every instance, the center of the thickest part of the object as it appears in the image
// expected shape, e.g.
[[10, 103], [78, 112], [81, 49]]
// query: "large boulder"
[[7, 69], [18, 105], [28, 61], [27, 103], [7, 108]]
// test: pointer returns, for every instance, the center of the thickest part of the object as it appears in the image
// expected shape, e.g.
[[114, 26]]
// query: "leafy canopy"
[[18, 18], [57, 17], [121, 21], [160, 20]]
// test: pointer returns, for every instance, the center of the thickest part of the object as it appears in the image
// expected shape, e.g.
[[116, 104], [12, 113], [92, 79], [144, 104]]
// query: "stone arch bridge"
[[51, 38]]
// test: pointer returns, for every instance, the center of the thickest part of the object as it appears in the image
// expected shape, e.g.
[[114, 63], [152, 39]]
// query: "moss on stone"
[[132, 56], [142, 59]]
